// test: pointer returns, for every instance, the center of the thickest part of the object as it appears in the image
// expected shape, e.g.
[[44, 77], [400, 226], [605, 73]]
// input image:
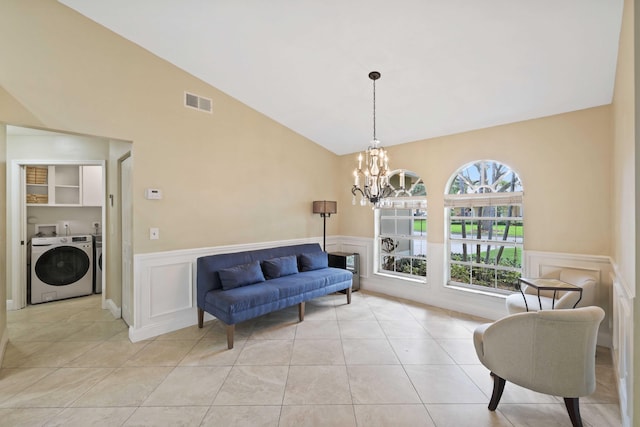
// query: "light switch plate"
[[154, 233], [153, 194]]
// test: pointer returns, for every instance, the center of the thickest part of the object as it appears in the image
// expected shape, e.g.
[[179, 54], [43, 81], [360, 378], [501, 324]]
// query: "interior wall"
[[234, 176], [625, 252], [623, 169], [3, 239], [563, 162], [80, 219]]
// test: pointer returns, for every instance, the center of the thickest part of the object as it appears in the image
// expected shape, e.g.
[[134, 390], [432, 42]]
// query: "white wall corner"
[[113, 308]]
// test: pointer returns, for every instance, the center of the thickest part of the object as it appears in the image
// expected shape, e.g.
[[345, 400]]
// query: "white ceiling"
[[447, 66]]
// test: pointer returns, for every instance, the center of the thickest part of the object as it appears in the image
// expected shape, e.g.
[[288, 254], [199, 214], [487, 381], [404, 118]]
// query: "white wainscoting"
[[537, 264], [165, 286], [623, 327], [165, 296]]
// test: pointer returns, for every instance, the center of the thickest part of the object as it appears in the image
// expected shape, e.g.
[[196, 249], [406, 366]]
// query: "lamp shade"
[[325, 207]]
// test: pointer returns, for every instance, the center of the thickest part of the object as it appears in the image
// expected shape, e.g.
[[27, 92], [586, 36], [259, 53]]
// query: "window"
[[485, 227], [401, 228]]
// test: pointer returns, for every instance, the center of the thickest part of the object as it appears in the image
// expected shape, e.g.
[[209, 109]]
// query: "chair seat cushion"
[[515, 303]]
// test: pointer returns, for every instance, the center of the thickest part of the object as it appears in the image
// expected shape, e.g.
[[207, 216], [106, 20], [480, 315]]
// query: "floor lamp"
[[325, 209]]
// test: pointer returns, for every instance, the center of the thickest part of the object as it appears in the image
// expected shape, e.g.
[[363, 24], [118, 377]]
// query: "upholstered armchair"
[[548, 351], [516, 304]]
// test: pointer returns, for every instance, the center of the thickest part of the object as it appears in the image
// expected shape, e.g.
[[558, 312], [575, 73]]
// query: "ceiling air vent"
[[197, 102]]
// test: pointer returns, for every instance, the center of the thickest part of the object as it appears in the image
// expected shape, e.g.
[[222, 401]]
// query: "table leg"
[[579, 298], [523, 297]]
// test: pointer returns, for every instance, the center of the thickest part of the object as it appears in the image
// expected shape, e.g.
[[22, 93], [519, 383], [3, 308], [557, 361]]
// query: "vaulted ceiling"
[[447, 66]]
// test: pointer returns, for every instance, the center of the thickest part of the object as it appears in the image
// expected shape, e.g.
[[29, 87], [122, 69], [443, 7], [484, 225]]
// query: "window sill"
[[403, 278], [475, 291]]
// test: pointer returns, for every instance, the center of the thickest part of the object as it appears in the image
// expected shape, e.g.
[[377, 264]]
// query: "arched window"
[[485, 235], [401, 228]]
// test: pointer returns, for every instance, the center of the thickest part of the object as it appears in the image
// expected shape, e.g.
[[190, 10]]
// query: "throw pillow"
[[241, 275], [278, 267], [313, 261]]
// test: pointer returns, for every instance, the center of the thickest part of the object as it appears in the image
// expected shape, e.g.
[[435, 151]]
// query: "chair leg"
[[349, 295], [200, 318], [498, 388], [573, 408], [301, 311]]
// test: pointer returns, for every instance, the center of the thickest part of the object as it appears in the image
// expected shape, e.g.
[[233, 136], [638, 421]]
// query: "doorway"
[[45, 146]]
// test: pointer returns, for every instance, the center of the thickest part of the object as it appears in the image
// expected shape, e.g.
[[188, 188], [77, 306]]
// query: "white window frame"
[[388, 211], [483, 198]]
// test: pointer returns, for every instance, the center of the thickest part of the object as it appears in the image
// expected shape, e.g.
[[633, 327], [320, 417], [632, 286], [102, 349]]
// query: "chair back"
[[548, 351], [579, 278]]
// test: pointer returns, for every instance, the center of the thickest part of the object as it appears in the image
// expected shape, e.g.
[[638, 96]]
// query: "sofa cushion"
[[242, 299], [281, 266], [241, 275], [313, 261]]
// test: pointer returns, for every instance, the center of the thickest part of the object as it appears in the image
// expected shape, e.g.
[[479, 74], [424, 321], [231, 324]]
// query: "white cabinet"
[[92, 194], [64, 185]]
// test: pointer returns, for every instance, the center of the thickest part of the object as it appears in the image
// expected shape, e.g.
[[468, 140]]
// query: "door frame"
[[17, 224], [128, 315]]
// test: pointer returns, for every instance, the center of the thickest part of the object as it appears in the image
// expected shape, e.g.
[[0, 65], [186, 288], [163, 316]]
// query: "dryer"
[[97, 263], [61, 267]]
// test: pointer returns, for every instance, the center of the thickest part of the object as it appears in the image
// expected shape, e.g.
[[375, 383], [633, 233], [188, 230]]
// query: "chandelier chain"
[[374, 110]]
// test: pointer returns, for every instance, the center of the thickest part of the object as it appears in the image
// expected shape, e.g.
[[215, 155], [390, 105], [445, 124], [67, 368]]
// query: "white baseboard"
[[113, 308]]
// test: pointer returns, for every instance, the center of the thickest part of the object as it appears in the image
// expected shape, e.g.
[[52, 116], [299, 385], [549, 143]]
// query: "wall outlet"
[[65, 225], [95, 224], [154, 233]]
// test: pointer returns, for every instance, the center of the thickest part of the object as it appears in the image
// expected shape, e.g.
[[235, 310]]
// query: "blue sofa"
[[235, 287]]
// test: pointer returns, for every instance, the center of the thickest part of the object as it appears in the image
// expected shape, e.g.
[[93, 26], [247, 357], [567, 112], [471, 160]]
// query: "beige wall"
[[563, 162], [623, 170], [3, 240], [625, 251], [233, 176]]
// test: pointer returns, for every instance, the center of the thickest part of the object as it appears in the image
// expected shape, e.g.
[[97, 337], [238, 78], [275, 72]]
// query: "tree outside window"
[[485, 223]]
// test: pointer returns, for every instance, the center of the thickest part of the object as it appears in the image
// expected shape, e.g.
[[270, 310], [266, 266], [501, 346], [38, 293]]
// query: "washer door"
[[62, 266]]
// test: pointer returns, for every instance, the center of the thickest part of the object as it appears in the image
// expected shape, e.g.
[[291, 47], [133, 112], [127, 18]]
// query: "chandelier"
[[372, 181]]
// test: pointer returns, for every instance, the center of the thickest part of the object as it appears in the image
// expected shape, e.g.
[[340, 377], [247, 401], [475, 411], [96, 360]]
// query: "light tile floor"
[[377, 362]]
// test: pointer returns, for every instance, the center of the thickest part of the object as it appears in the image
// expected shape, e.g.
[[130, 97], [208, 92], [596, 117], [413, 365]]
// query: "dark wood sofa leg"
[[301, 311], [573, 408], [349, 295], [230, 330], [498, 388], [200, 318]]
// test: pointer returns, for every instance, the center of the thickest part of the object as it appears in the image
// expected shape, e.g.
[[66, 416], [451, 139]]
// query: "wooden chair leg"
[[230, 330], [349, 295], [573, 408], [301, 311], [200, 318], [498, 388]]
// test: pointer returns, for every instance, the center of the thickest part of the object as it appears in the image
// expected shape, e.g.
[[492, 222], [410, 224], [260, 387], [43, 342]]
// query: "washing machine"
[[97, 263], [61, 267]]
